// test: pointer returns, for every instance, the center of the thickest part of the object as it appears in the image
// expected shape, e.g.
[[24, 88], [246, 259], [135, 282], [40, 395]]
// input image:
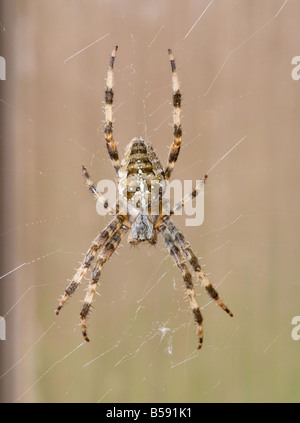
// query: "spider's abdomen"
[[140, 174]]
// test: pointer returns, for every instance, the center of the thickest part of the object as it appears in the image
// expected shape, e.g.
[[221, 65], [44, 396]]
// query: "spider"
[[137, 172]]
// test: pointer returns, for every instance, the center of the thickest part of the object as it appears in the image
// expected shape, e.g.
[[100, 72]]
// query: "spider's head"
[[142, 230]]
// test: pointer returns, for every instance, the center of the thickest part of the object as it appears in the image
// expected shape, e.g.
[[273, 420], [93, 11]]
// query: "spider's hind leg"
[[175, 148], [108, 109]]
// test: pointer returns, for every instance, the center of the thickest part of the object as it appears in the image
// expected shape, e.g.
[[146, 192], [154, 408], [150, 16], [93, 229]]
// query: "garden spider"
[[137, 172]]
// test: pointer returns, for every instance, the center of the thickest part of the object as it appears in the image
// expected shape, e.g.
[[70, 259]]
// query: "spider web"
[[240, 126]]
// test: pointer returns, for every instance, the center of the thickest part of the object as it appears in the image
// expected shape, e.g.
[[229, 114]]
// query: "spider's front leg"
[[104, 254], [177, 255], [186, 248], [99, 241]]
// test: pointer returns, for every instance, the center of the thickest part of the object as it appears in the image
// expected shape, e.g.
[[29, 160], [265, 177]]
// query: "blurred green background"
[[234, 64]]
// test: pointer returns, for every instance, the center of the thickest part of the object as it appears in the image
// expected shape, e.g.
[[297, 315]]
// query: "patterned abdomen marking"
[[141, 172]]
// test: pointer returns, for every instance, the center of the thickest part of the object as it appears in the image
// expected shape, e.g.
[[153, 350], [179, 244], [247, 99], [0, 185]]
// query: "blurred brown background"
[[235, 70]]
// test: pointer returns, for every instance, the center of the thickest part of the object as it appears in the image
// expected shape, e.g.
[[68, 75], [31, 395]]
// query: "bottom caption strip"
[[143, 411]]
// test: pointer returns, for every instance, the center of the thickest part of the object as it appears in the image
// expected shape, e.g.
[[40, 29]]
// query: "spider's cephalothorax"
[[139, 211]]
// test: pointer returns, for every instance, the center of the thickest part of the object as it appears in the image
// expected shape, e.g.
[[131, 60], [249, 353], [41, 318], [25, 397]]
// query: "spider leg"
[[96, 194], [104, 254], [190, 196], [175, 148], [98, 242], [108, 109], [175, 251], [186, 248]]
